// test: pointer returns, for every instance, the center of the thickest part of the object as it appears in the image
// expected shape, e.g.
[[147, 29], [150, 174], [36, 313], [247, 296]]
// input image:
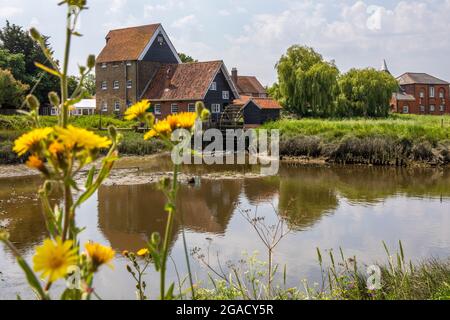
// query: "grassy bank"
[[398, 140], [11, 127]]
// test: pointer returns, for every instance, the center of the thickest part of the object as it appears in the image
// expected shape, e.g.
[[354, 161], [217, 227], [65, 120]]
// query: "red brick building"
[[421, 93]]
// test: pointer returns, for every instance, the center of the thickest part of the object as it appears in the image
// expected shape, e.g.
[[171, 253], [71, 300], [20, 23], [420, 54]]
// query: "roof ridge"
[[136, 27]]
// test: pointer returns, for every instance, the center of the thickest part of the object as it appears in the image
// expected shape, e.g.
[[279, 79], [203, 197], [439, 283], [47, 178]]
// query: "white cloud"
[[186, 22], [117, 5], [9, 11]]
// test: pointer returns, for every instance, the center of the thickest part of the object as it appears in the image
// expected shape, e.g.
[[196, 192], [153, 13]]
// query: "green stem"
[[186, 254], [64, 86], [169, 226]]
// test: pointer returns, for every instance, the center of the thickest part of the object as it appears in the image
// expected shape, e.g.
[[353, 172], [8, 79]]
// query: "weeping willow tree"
[[365, 93], [307, 83]]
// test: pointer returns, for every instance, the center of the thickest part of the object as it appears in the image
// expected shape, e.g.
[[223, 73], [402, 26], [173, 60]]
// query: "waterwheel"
[[231, 118]]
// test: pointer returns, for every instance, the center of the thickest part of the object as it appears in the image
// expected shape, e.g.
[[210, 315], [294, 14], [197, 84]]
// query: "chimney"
[[234, 76]]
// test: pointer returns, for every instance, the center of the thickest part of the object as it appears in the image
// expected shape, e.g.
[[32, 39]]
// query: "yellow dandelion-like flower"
[[53, 259], [184, 120], [137, 110], [34, 162], [74, 137], [162, 128], [99, 254], [143, 252], [31, 140], [56, 148]]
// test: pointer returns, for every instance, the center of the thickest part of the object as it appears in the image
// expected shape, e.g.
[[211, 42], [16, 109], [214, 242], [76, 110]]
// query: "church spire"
[[384, 67]]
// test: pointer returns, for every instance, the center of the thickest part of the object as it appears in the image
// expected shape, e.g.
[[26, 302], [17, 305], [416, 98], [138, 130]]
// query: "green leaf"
[[90, 177], [47, 69], [31, 278]]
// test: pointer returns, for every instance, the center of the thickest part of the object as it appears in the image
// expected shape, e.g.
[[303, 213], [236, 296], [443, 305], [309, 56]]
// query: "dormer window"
[[214, 86], [116, 84]]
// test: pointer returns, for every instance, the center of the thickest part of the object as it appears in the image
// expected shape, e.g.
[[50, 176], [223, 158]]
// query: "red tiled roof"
[[263, 103], [126, 44], [186, 81], [247, 84]]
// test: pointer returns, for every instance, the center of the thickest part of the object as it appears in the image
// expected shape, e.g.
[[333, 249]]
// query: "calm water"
[[350, 207]]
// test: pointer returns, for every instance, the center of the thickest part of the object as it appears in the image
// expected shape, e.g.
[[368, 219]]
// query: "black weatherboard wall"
[[160, 51], [215, 96], [255, 115]]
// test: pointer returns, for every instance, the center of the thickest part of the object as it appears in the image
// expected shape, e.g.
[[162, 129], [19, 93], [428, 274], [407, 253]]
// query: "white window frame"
[[104, 65], [174, 108], [116, 106], [213, 86], [104, 85], [432, 92], [422, 94], [116, 85], [405, 109], [441, 94], [191, 107], [129, 84], [157, 109], [128, 63], [226, 95], [160, 40], [442, 108], [432, 108], [105, 106], [216, 108]]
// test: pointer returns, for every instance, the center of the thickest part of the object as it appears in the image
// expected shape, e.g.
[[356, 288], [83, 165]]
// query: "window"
[[432, 93], [432, 108], [263, 95], [174, 108], [422, 94], [160, 40], [117, 105], [104, 85], [441, 94], [442, 108], [157, 109], [225, 95], [215, 108], [214, 86], [54, 112], [405, 109], [104, 65], [129, 84], [105, 106], [191, 107], [128, 63], [422, 108], [116, 84]]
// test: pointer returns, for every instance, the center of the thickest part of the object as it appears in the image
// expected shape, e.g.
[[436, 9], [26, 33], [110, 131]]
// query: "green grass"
[[397, 140]]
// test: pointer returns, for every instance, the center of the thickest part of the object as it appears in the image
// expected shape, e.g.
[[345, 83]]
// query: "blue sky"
[[252, 34]]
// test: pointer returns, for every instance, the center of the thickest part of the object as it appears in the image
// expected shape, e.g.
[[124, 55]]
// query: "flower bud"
[[91, 61], [34, 33], [33, 102], [156, 238], [54, 98]]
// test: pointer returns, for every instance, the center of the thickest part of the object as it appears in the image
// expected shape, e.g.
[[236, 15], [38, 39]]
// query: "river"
[[353, 207]]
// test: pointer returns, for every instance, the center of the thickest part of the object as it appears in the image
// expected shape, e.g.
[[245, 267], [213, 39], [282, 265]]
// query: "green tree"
[[365, 93], [89, 85], [16, 40], [12, 91], [13, 62], [307, 83], [185, 58]]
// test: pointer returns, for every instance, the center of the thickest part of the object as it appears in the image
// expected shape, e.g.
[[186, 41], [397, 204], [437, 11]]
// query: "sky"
[[413, 36]]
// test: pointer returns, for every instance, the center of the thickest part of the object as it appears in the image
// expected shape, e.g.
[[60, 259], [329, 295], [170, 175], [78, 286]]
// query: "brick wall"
[[426, 101]]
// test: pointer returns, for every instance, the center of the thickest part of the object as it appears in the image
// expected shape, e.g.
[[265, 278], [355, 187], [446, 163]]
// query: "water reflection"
[[128, 215]]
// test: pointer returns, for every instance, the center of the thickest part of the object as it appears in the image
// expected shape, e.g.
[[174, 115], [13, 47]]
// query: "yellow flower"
[[143, 252], [34, 162], [56, 148], [99, 254], [184, 120], [74, 137], [53, 258], [137, 110], [31, 140], [162, 128]]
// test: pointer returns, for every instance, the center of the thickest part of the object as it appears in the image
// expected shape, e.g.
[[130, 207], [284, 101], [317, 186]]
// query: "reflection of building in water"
[[21, 210], [128, 215]]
